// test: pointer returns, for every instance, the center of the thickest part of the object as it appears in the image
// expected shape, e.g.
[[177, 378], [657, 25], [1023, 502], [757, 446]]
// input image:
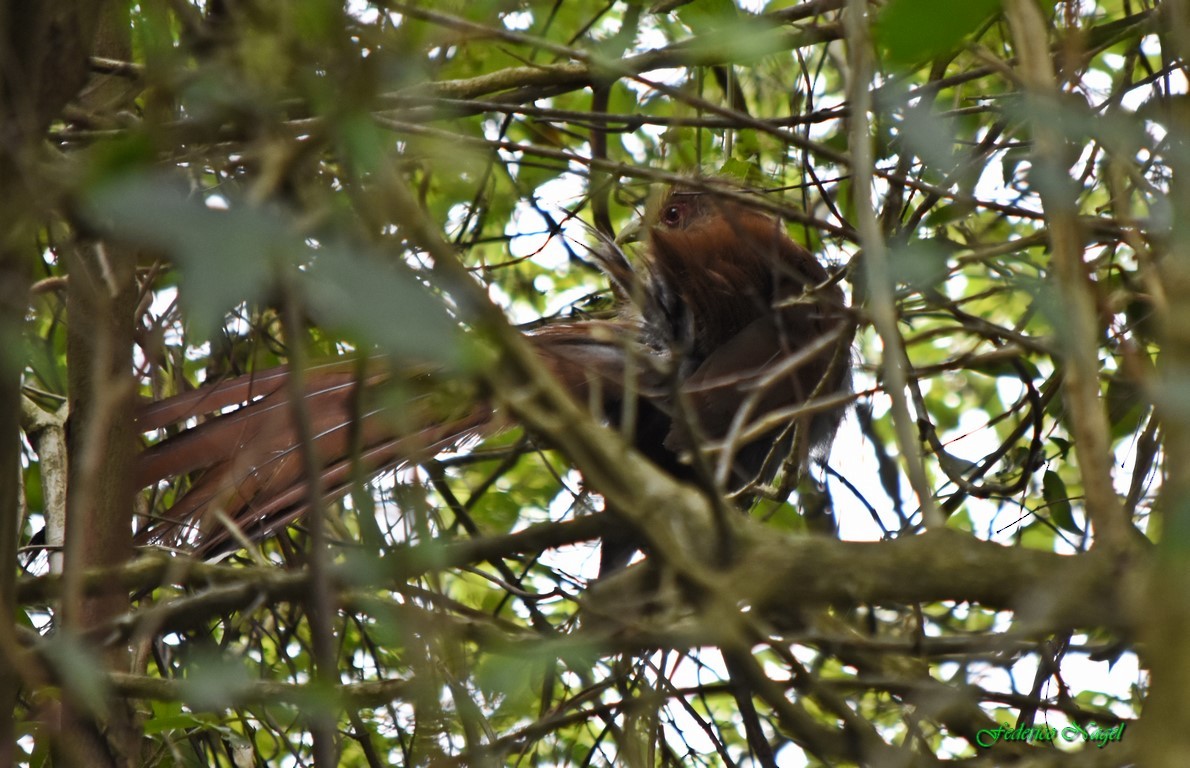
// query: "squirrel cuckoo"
[[724, 328]]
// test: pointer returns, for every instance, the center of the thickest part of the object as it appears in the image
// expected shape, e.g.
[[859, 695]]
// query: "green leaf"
[[704, 16], [929, 136], [382, 302], [228, 257], [224, 255], [1126, 406], [914, 30], [512, 677], [1062, 444], [169, 716], [215, 680], [920, 264], [77, 664], [119, 156], [1057, 501]]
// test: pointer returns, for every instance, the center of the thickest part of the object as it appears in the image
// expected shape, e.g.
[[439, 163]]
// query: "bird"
[[724, 336]]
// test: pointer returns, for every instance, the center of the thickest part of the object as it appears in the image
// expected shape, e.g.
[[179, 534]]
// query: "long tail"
[[247, 467]]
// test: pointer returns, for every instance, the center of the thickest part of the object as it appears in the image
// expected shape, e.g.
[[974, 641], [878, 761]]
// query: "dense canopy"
[[987, 567]]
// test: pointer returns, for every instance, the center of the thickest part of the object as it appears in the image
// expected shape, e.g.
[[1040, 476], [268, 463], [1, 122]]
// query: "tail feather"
[[272, 497], [213, 397], [248, 463]]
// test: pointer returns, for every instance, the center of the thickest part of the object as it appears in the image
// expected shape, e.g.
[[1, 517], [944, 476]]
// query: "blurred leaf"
[[999, 367], [729, 36], [914, 30], [215, 679], [1126, 406], [929, 136], [169, 715], [1037, 535], [384, 303], [81, 671], [513, 678], [365, 146], [34, 498], [782, 516], [226, 256], [1050, 178], [702, 16], [920, 264], [119, 156]]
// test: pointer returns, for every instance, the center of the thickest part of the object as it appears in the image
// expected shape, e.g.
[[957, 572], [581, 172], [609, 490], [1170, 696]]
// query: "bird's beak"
[[631, 233]]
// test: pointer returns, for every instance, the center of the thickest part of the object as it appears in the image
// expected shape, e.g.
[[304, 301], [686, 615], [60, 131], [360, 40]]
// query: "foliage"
[[1011, 198]]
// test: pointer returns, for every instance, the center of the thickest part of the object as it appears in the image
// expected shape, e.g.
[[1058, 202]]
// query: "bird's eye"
[[672, 215]]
